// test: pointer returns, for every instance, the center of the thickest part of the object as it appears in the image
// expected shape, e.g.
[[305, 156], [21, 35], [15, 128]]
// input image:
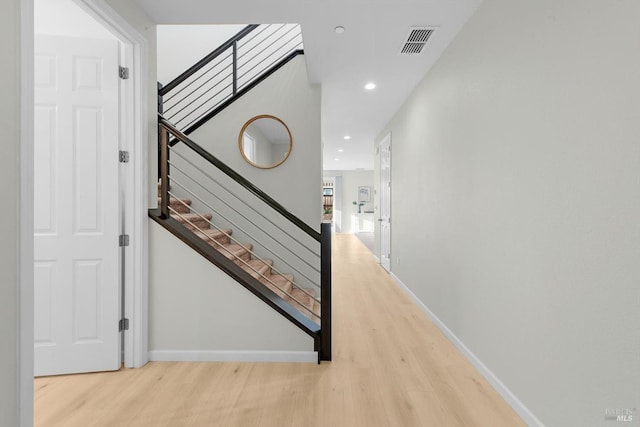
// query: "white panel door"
[[76, 221], [385, 203]]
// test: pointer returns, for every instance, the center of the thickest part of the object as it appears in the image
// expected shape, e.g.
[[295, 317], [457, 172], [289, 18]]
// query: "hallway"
[[391, 367]]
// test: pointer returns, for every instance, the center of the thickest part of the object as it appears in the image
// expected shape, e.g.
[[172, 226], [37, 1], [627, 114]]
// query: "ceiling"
[[368, 50]]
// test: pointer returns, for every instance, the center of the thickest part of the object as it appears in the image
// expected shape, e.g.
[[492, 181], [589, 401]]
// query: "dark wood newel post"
[[325, 292], [160, 112], [164, 172]]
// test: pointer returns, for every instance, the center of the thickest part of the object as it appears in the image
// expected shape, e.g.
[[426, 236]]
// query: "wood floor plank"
[[391, 367]]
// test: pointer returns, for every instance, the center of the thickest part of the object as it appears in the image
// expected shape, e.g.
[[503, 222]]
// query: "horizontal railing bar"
[[313, 282], [250, 60], [248, 185], [247, 47], [201, 105], [203, 74], [225, 79], [199, 87], [252, 223], [233, 239], [281, 58], [204, 114], [214, 111], [262, 28], [271, 42], [233, 194], [207, 59]]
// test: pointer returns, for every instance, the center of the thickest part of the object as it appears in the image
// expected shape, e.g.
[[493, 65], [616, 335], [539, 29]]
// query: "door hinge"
[[123, 72], [124, 240], [123, 325], [124, 156]]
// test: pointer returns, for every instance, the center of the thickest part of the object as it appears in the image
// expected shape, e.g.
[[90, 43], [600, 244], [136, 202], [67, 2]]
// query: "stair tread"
[[214, 237], [193, 221], [258, 268], [191, 216], [234, 251], [298, 298], [215, 232], [178, 205], [280, 284]]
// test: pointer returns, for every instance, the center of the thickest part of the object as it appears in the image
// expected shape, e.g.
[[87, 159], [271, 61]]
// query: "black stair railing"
[[227, 73], [291, 245]]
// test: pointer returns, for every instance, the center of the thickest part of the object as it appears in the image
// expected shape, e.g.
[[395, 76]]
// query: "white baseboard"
[[232, 356], [376, 258], [515, 403]]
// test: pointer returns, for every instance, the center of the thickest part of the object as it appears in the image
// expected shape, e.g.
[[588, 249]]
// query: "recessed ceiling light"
[[340, 150], [347, 137], [370, 86], [339, 29], [337, 160]]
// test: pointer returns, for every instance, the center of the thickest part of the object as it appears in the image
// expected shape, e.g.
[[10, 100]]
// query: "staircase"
[[221, 215], [281, 284]]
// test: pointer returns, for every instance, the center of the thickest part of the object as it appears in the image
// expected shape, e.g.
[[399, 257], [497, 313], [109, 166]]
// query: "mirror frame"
[[244, 128]]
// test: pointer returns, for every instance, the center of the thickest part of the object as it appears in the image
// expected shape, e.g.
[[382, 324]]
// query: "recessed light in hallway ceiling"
[[370, 86], [339, 29]]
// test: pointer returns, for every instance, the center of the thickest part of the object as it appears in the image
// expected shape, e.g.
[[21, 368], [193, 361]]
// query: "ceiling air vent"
[[416, 39]]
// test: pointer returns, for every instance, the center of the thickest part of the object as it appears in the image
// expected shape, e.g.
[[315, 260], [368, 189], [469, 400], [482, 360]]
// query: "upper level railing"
[[226, 73], [221, 199]]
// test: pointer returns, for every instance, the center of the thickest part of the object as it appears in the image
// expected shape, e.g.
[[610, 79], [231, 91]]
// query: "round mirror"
[[265, 142]]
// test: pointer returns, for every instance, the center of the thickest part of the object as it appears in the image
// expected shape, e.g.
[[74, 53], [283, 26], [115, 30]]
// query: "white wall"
[[516, 166], [297, 183], [9, 155], [349, 183], [197, 307], [181, 46], [65, 18]]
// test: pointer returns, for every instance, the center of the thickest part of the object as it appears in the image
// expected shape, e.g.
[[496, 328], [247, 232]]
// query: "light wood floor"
[[391, 367]]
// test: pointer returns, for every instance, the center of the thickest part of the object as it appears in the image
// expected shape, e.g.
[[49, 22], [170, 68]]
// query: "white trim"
[[384, 141], [26, 319], [376, 258], [232, 356], [515, 403], [136, 219]]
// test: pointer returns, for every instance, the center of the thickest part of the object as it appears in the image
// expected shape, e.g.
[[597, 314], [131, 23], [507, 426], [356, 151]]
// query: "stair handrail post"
[[160, 112], [164, 172], [325, 291]]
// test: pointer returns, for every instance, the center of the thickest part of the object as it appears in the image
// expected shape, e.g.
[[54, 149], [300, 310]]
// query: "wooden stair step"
[[280, 284], [258, 268], [193, 221], [235, 252], [304, 300], [178, 205], [215, 237]]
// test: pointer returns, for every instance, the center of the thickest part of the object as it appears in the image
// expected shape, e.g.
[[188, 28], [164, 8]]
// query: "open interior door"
[[76, 221]]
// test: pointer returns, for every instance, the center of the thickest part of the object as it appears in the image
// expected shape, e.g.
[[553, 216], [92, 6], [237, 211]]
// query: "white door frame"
[[136, 119], [385, 140]]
